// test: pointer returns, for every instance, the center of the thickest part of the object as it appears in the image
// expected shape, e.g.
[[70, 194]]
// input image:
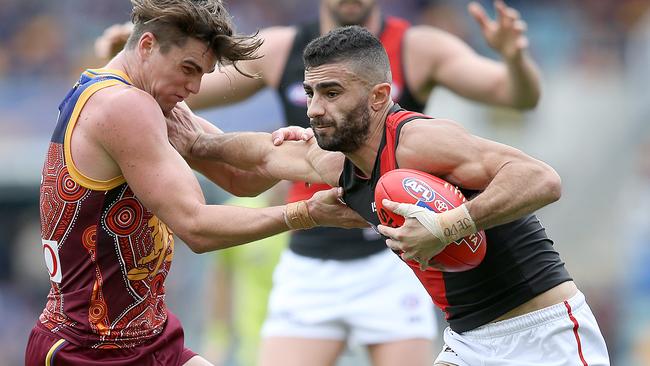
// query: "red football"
[[437, 195]]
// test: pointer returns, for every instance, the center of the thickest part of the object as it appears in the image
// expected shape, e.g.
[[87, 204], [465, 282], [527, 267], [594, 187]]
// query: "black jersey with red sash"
[[520, 262], [335, 243]]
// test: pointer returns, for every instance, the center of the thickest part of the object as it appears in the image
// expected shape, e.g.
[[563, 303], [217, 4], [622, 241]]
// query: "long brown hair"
[[173, 21]]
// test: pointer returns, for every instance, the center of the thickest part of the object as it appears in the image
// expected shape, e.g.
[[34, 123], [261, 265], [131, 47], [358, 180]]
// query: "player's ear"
[[146, 44], [380, 96]]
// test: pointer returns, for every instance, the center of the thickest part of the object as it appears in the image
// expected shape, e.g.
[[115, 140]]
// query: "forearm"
[[236, 181], [523, 82], [219, 227], [243, 150], [249, 184], [518, 189], [208, 227], [255, 152]]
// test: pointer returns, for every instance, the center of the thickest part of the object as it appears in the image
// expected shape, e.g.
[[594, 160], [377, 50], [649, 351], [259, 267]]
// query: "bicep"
[[155, 172], [445, 149], [226, 86], [456, 66]]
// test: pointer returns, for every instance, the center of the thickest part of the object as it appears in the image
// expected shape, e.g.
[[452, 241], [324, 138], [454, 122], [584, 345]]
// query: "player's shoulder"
[[424, 122], [125, 99], [424, 129], [425, 141], [124, 104]]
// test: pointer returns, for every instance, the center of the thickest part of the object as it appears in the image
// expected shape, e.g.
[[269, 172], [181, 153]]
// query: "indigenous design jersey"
[[107, 255], [335, 243], [519, 264]]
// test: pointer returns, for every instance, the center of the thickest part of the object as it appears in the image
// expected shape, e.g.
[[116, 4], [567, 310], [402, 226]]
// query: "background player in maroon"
[[520, 302], [421, 58], [114, 191]]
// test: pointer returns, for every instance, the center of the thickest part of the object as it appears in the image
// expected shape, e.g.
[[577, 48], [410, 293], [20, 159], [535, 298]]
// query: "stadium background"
[[592, 125]]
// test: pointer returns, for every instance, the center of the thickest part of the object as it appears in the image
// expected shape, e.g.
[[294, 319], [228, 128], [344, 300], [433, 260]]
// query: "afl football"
[[435, 194]]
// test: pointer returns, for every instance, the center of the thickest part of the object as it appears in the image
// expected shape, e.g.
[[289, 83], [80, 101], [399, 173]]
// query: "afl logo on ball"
[[418, 189]]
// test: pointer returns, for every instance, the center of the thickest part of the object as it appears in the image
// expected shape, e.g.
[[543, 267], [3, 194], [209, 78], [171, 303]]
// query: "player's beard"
[[349, 133], [359, 18]]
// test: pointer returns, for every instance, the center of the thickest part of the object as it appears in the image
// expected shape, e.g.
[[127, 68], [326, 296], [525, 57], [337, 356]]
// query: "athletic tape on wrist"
[[446, 226], [456, 223], [296, 216]]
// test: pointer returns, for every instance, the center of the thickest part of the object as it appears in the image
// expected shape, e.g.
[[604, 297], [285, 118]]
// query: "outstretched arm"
[[162, 180], [254, 152], [514, 82]]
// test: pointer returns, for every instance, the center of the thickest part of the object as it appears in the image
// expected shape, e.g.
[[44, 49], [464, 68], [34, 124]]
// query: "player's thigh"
[[407, 352], [197, 361], [288, 351]]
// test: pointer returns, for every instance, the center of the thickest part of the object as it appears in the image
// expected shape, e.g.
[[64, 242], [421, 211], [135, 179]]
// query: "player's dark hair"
[[352, 44], [173, 21]]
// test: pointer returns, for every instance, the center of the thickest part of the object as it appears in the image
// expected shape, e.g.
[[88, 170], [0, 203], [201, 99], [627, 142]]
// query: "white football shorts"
[[565, 334], [372, 300]]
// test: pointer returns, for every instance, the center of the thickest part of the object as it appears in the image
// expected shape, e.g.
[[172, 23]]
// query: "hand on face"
[[506, 34], [291, 133], [326, 208], [414, 240], [183, 129]]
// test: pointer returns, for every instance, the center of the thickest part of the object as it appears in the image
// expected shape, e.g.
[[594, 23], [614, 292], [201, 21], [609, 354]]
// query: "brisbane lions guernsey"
[[520, 262], [107, 255], [336, 243]]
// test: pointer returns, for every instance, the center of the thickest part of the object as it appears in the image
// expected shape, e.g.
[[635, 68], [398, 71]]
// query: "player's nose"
[[315, 108]]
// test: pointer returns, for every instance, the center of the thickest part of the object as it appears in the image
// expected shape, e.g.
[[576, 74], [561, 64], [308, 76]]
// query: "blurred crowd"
[[43, 45], [592, 126]]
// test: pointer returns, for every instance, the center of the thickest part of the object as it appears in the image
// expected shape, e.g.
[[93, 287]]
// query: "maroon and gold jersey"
[[107, 254]]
